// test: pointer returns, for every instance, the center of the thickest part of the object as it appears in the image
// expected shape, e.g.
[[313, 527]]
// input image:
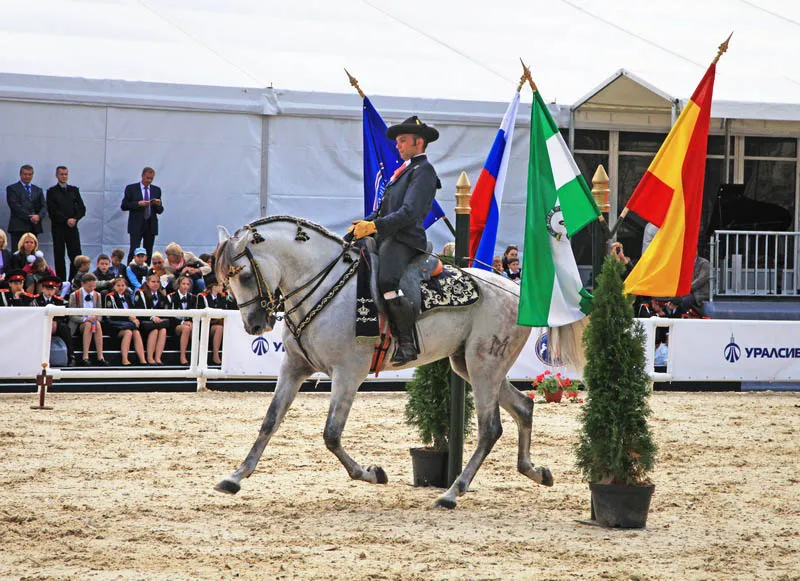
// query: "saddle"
[[421, 269]]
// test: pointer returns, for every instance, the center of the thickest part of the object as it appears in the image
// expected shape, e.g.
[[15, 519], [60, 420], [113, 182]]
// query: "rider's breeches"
[[393, 259]]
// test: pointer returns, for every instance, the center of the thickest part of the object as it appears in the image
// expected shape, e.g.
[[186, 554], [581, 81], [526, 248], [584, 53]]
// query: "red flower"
[[580, 400], [532, 395], [540, 377], [572, 394], [546, 372], [567, 382]]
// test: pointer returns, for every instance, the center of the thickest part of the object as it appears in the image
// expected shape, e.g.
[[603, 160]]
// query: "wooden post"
[[600, 192], [44, 382], [457, 385]]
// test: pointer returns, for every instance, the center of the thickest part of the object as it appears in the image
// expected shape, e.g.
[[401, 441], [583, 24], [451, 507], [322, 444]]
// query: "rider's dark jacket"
[[406, 203]]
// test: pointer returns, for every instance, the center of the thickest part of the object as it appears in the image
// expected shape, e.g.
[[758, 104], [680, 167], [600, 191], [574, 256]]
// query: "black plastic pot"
[[430, 467], [616, 505]]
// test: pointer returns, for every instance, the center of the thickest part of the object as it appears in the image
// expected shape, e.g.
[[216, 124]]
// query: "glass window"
[[716, 145], [770, 147], [591, 139], [640, 142], [772, 183], [631, 170], [582, 241], [713, 180]]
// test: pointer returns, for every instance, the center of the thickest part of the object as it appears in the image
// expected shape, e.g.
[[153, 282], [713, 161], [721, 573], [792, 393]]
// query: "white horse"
[[306, 262]]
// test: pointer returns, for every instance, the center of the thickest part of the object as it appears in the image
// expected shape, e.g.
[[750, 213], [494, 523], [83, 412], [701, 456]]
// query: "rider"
[[398, 226]]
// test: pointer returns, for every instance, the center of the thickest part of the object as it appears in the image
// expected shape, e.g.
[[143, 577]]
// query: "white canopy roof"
[[449, 49]]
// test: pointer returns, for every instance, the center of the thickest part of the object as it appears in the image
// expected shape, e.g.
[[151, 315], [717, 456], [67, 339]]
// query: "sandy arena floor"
[[113, 486]]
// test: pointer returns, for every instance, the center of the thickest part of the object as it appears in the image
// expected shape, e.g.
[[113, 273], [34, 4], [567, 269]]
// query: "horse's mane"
[[222, 258]]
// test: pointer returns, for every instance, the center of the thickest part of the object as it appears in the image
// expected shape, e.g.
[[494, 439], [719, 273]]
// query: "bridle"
[[274, 301]]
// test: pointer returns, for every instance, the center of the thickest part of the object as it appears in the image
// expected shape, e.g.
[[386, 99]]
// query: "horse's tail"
[[566, 343]]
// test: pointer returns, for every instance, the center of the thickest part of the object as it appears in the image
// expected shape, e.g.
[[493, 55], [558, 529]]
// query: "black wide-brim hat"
[[413, 126]]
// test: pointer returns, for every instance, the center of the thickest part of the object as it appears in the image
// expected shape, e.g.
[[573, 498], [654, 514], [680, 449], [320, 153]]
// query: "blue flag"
[[380, 161]]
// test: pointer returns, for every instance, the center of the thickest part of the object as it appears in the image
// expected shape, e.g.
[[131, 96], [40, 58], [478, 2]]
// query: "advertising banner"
[[246, 355], [21, 335]]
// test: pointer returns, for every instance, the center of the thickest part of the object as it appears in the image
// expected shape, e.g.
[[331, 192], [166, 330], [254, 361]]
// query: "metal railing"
[[754, 264]]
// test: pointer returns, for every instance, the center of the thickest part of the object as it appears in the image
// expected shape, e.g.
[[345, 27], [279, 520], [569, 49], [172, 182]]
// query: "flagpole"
[[723, 48]]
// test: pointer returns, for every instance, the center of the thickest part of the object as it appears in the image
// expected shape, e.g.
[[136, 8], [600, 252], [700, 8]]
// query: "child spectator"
[[15, 295], [48, 296], [28, 245], [105, 278], [183, 299], [497, 265], [90, 326], [127, 327], [82, 266], [662, 351], [514, 272], [149, 296], [117, 256], [214, 298], [137, 269], [36, 269]]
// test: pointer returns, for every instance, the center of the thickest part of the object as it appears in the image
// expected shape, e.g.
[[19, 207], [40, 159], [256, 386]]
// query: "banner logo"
[[732, 351], [260, 346], [543, 351]]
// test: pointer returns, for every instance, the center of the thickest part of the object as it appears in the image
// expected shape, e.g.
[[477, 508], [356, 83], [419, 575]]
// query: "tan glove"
[[363, 228]]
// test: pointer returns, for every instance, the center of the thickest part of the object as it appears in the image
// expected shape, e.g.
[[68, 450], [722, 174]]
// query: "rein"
[[273, 302]]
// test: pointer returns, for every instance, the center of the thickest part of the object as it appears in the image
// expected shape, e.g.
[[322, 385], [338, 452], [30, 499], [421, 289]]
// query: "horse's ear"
[[223, 234]]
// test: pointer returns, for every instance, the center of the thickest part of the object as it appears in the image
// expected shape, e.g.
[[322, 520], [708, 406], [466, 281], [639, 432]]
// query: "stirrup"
[[404, 353]]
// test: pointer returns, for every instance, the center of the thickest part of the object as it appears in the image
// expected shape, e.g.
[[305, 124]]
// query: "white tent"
[[243, 108]]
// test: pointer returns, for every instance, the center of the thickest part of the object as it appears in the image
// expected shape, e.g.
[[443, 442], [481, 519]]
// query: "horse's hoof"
[[380, 474], [445, 502], [228, 487], [545, 476]]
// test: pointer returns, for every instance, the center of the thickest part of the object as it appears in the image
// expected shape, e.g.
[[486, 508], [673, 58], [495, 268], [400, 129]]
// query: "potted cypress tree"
[[428, 409], [615, 450]]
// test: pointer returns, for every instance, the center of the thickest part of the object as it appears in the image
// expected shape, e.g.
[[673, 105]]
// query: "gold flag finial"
[[527, 75], [723, 48], [354, 82]]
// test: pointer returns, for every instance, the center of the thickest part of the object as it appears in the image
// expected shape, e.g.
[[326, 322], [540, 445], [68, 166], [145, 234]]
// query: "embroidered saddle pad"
[[452, 288]]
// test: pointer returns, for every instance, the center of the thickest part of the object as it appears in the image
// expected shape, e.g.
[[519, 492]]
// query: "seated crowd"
[[176, 280]]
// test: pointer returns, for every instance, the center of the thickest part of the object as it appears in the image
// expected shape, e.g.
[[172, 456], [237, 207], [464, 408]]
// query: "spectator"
[[127, 327], [59, 327], [143, 202], [497, 264], [514, 272], [37, 269], [214, 298], [700, 292], [105, 278], [674, 309], [15, 295], [149, 296], [449, 249], [511, 252], [83, 265], [28, 245], [89, 326], [5, 259], [27, 204], [180, 263], [619, 254], [650, 232], [66, 208], [662, 351], [183, 299], [117, 256], [137, 269]]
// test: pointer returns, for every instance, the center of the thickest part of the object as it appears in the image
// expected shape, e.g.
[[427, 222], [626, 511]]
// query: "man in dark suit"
[[398, 226], [143, 201], [27, 204], [66, 208]]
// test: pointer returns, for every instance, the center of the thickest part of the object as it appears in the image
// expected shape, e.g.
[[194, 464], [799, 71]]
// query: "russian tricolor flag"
[[488, 193]]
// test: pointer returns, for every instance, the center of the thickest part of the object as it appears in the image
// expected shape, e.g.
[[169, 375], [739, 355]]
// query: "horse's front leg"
[[294, 370], [344, 386]]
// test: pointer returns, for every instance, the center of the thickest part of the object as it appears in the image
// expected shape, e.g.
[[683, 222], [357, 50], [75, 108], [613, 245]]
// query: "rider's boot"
[[402, 318]]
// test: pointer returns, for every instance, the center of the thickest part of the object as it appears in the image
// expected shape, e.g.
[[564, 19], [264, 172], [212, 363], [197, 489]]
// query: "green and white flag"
[[559, 205]]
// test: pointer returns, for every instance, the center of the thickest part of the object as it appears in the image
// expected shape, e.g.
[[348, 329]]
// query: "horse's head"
[[252, 279]]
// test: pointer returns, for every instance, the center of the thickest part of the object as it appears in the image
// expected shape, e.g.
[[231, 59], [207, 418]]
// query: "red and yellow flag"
[[670, 196]]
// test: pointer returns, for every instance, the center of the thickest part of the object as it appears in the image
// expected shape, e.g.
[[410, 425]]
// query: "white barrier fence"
[[699, 350]]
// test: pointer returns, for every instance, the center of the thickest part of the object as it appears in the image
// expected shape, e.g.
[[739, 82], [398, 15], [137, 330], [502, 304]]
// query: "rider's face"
[[409, 145]]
